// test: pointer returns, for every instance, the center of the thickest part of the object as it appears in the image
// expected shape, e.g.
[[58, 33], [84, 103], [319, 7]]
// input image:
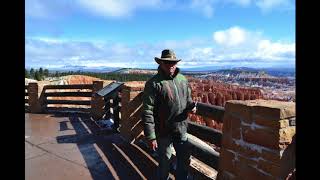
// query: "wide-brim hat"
[[167, 55]]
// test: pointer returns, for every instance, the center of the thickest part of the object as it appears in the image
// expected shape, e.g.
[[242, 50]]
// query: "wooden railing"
[[65, 91], [198, 134]]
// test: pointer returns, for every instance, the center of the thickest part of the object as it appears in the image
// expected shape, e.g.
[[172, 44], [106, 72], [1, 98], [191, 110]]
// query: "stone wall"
[[256, 134]]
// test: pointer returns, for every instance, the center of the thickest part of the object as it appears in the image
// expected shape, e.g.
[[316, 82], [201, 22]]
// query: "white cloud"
[[256, 50], [47, 9], [107, 8], [275, 51], [117, 8], [268, 5], [264, 5], [182, 44], [54, 52], [124, 8], [239, 46], [230, 37], [196, 54], [204, 6]]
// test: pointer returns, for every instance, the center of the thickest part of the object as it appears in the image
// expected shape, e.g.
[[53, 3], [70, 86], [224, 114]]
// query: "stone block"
[[269, 167], [227, 119], [286, 134], [227, 161], [231, 125], [274, 124], [247, 160], [229, 143], [249, 172], [225, 175], [226, 140], [261, 137], [235, 128], [241, 109], [273, 110], [247, 152], [271, 155]]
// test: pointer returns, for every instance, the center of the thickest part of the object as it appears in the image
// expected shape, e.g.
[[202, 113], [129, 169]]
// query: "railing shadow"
[[105, 153]]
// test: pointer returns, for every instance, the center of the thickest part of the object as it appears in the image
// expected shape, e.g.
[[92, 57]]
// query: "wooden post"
[[116, 111], [33, 100], [131, 107], [97, 102]]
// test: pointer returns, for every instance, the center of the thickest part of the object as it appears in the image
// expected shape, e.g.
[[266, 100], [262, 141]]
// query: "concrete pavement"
[[71, 146]]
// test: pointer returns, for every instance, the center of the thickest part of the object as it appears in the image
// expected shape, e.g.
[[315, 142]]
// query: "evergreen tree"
[[32, 73], [46, 72], [37, 76], [41, 71]]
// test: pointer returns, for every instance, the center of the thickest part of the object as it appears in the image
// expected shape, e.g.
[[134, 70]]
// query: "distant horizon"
[[199, 68]]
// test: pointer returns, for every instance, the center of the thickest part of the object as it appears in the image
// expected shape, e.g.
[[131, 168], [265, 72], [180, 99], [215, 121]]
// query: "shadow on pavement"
[[106, 153]]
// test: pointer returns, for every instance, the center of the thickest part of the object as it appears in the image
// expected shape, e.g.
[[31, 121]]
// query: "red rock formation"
[[216, 93], [211, 98]]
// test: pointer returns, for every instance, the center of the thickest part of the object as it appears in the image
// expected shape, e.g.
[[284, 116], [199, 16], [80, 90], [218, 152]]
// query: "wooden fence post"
[[33, 100], [97, 102]]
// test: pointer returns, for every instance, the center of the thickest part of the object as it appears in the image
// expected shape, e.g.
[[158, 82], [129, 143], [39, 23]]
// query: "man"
[[166, 102]]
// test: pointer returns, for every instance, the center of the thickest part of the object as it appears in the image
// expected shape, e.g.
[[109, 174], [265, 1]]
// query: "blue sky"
[[128, 33]]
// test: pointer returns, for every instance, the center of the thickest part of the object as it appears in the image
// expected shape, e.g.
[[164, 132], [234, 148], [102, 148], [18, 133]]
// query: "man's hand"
[[153, 144]]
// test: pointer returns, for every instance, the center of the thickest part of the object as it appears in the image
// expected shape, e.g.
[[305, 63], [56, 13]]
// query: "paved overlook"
[[231, 136]]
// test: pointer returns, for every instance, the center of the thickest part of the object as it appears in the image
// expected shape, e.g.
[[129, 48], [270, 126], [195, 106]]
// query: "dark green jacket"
[[166, 101]]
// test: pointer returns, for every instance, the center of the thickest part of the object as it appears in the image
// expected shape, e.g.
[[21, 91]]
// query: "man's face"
[[169, 67]]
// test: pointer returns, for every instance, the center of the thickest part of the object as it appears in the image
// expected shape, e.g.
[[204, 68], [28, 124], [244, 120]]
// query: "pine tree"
[[37, 76], [46, 72], [41, 71], [32, 73]]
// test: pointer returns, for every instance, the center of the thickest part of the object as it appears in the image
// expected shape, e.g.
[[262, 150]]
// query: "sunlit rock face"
[[218, 93]]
